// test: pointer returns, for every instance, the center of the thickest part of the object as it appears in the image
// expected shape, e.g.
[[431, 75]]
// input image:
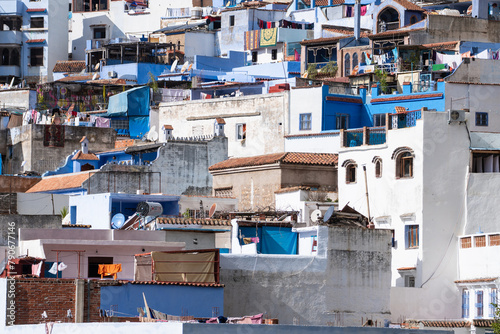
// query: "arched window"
[[354, 60], [378, 166], [5, 57], [404, 162], [350, 171], [363, 59], [413, 19], [388, 19], [347, 64], [15, 59]]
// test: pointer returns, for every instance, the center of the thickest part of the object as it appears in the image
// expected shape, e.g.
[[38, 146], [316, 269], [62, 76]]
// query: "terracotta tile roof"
[[314, 134], [344, 99], [323, 2], [410, 5], [324, 159], [401, 31], [442, 45], [59, 182], [83, 138], [78, 78], [82, 156], [211, 285], [31, 41], [36, 10], [220, 120], [483, 322], [478, 280], [111, 81], [184, 221], [446, 323], [323, 40], [290, 189], [406, 97], [340, 80], [70, 66], [407, 268], [168, 127]]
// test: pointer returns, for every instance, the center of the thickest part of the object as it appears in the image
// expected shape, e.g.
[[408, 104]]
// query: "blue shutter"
[[465, 304], [479, 303], [493, 302]]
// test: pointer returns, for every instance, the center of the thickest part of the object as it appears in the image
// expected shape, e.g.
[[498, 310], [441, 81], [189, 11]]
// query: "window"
[[495, 240], [254, 56], [224, 192], [409, 281], [94, 262], [412, 238], [100, 33], [241, 131], [231, 20], [465, 303], [480, 241], [350, 171], [481, 119], [465, 242], [90, 5], [342, 122], [354, 60], [36, 22], [379, 120], [274, 54], [347, 64], [404, 162], [479, 304], [378, 168], [413, 19], [305, 122], [493, 301], [36, 56]]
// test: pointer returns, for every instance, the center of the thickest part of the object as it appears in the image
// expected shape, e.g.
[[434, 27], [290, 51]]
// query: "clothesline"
[[284, 24]]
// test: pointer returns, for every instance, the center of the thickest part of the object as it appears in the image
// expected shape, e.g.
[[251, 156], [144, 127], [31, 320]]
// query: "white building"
[[33, 37], [111, 20]]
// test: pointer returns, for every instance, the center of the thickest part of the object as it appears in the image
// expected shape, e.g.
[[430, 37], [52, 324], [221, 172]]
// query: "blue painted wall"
[[234, 59], [128, 208], [169, 299], [134, 71]]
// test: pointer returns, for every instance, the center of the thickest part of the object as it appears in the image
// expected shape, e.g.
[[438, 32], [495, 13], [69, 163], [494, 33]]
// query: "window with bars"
[[481, 119], [224, 192], [305, 121], [466, 242], [117, 123], [90, 5], [493, 301], [495, 240], [36, 22], [379, 120], [412, 237], [480, 241], [465, 303], [479, 304]]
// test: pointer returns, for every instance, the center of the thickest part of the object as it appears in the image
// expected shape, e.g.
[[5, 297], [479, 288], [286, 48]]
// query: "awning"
[[484, 141]]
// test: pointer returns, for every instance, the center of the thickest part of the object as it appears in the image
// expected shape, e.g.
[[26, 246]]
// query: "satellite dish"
[[328, 214], [190, 67], [184, 67], [97, 66], [153, 135], [174, 65], [212, 210], [117, 221], [315, 215], [94, 76]]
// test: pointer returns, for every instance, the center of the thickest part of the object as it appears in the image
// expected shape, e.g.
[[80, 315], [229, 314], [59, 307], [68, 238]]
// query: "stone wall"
[[346, 283], [28, 146], [17, 184], [21, 221]]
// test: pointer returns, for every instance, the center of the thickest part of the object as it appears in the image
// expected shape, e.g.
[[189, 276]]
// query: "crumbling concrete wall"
[[346, 283]]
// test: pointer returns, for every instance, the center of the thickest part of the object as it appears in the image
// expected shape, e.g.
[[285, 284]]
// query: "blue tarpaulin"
[[251, 232], [133, 103], [278, 240]]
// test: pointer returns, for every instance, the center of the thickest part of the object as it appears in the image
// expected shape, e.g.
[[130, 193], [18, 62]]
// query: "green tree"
[[312, 71], [496, 324], [382, 77], [331, 68], [64, 212]]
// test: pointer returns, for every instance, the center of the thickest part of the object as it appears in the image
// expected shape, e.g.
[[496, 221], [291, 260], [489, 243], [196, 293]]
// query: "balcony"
[[10, 7], [11, 37], [93, 44], [10, 70], [364, 136], [404, 120]]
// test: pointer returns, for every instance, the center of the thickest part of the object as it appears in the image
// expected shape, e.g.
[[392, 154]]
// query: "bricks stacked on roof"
[[320, 159]]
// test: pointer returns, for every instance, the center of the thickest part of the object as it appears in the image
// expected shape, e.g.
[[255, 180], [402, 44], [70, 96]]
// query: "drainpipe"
[[367, 198], [357, 19]]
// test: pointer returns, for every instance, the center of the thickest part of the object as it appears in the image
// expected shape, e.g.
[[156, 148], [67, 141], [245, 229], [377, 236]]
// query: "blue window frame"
[[305, 121], [479, 304], [481, 119], [493, 301], [465, 303]]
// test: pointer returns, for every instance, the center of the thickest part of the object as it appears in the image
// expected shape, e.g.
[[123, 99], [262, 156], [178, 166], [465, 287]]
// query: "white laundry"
[[61, 266], [53, 269]]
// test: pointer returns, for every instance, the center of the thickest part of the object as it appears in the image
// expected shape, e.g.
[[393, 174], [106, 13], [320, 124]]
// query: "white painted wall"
[[314, 143], [306, 100], [478, 262], [22, 98], [93, 210], [434, 199], [482, 203], [41, 203], [199, 43]]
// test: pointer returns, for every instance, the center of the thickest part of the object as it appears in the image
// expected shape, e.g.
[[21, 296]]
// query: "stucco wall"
[[476, 262], [28, 146], [22, 98], [265, 117], [304, 101], [347, 282], [322, 177], [482, 203]]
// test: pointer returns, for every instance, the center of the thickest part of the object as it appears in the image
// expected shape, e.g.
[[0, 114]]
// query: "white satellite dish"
[[174, 65], [97, 66], [184, 67], [152, 134], [94, 76], [315, 215]]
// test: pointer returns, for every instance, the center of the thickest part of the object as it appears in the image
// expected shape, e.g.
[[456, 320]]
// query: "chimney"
[[219, 127], [357, 19], [85, 145], [167, 130]]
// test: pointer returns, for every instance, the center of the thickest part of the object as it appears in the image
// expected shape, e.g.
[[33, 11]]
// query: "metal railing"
[[364, 136], [404, 120]]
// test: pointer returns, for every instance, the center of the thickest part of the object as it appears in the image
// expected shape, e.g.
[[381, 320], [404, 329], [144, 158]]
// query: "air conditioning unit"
[[456, 116], [112, 74]]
